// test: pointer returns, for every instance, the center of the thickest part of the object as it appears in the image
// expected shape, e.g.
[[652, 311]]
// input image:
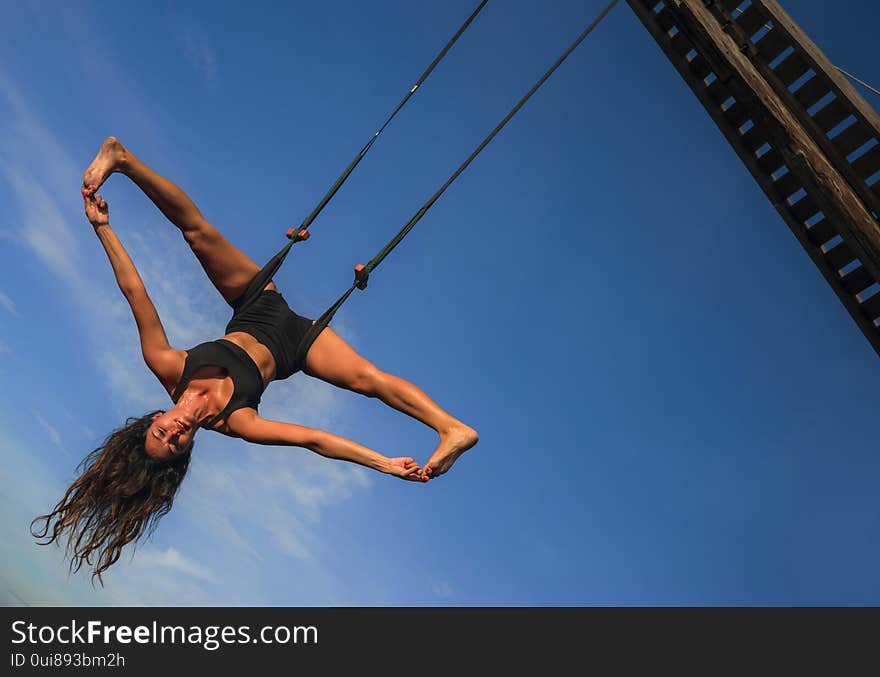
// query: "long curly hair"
[[119, 496]]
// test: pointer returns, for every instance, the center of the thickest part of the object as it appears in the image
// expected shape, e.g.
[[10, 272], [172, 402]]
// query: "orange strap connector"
[[361, 276], [292, 232]]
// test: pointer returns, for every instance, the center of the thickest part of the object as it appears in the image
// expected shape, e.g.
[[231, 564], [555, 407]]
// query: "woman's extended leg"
[[228, 268], [331, 359]]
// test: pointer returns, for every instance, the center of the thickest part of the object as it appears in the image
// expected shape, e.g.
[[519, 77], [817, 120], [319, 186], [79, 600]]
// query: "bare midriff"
[[257, 351]]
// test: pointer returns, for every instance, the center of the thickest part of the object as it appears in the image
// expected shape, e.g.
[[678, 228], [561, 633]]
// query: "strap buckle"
[[361, 276], [298, 234]]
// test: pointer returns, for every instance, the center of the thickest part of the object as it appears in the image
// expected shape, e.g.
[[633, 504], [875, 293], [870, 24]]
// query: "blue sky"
[[673, 406]]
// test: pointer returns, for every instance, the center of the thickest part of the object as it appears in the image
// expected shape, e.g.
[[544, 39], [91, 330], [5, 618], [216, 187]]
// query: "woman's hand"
[[405, 468], [97, 211]]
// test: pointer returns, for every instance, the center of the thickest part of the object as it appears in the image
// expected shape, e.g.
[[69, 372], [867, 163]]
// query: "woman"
[[129, 482]]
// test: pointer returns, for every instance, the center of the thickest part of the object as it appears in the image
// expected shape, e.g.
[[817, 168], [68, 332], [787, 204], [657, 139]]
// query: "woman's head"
[[170, 434], [120, 495]]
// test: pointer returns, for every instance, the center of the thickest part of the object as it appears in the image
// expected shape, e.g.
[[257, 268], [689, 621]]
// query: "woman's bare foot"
[[453, 444], [109, 159]]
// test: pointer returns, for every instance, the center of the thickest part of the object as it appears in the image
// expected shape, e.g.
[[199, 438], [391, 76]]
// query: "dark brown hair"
[[120, 495]]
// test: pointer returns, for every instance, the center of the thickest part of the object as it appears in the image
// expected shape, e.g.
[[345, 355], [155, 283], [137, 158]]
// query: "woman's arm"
[[252, 428], [163, 360]]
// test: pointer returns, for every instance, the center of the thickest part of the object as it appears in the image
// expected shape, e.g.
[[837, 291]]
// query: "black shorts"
[[270, 320]]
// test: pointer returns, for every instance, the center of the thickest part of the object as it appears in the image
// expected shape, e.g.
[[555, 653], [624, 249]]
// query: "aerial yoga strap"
[[301, 233], [292, 233], [362, 272]]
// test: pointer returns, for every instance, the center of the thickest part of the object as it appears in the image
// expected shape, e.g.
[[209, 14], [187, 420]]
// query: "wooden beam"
[[802, 155], [777, 188], [820, 63], [826, 79]]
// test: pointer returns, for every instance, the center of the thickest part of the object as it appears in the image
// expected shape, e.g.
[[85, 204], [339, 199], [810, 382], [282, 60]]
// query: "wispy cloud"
[[241, 501], [50, 430], [268, 493], [8, 303], [151, 575], [199, 50], [43, 228], [172, 560]]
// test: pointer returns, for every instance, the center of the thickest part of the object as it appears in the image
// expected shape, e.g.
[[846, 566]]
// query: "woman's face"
[[170, 434]]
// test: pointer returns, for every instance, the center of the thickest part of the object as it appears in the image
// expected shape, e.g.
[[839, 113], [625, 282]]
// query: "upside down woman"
[[130, 481]]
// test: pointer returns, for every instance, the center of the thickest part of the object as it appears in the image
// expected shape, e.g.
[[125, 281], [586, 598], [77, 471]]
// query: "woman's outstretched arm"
[[163, 360], [252, 428]]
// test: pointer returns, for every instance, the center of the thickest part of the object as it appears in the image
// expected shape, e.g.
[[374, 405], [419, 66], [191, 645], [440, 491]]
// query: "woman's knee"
[[367, 380], [197, 233]]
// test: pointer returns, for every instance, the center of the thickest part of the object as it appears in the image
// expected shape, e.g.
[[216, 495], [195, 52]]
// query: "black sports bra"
[[246, 378]]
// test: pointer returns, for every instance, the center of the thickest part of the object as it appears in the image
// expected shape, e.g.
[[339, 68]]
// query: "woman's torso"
[[217, 384], [257, 352], [261, 336]]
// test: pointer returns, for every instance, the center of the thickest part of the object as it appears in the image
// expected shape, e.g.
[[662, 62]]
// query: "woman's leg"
[[229, 269], [333, 360]]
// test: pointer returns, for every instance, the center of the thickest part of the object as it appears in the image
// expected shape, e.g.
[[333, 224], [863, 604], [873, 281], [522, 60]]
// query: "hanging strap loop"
[[362, 271], [361, 276], [360, 156]]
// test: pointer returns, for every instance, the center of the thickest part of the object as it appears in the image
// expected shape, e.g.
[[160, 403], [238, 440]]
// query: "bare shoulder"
[[167, 365], [241, 423]]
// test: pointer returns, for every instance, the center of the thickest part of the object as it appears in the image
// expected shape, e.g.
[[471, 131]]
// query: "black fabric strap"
[[262, 278], [409, 225], [363, 276], [360, 156]]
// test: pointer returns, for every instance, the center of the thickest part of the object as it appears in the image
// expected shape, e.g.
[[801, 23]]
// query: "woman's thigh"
[[333, 360], [229, 269]]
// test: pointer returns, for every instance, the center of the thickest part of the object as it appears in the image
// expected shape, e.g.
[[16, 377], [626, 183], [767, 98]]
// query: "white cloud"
[[50, 431], [238, 501], [8, 303], [30, 144], [270, 492], [150, 576], [176, 562], [43, 228]]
